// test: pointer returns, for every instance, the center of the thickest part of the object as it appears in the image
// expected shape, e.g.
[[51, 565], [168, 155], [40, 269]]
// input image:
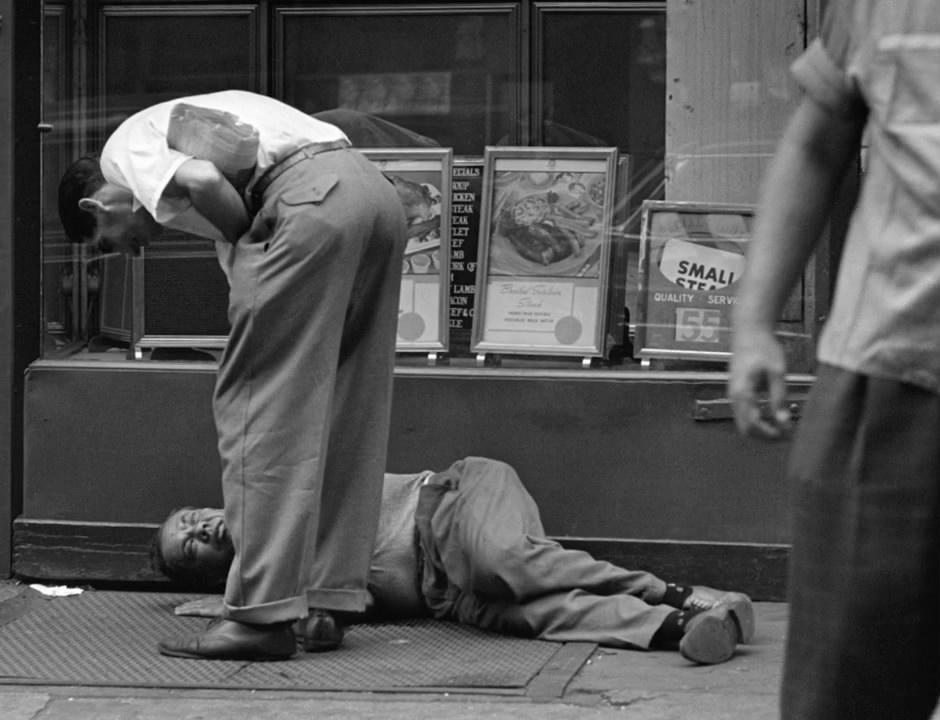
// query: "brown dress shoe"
[[231, 640], [322, 631], [710, 637], [742, 609], [740, 605]]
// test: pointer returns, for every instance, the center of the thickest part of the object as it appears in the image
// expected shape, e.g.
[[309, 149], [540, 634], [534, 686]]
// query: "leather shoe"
[[710, 637], [322, 631], [705, 598], [231, 640], [742, 610]]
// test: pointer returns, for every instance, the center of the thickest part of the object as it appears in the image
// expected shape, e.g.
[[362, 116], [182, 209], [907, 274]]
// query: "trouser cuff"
[[354, 601], [286, 610]]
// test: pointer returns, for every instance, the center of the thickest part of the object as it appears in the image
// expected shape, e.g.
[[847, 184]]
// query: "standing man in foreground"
[[864, 637], [311, 237]]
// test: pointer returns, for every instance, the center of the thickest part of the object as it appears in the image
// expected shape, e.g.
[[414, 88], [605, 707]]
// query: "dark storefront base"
[[642, 469]]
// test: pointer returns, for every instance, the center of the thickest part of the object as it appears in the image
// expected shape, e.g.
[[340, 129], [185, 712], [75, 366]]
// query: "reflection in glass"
[[448, 75], [465, 76]]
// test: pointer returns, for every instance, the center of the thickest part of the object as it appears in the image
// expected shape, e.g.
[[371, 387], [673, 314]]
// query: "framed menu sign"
[[422, 177], [544, 251], [691, 259], [466, 190]]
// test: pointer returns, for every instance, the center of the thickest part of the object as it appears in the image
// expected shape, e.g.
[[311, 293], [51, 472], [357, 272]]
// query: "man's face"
[[198, 539], [119, 227]]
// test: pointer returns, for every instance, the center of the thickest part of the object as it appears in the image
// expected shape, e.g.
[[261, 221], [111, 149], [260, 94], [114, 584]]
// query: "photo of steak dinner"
[[542, 230]]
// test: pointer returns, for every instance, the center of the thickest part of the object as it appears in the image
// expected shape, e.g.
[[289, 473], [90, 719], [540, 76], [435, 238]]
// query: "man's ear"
[[91, 205]]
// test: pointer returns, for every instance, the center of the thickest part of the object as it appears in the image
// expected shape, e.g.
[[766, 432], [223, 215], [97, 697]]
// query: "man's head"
[[94, 210], [192, 547]]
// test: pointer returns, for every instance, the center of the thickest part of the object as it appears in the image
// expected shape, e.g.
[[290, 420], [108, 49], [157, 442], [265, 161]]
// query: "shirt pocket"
[[312, 193], [905, 77]]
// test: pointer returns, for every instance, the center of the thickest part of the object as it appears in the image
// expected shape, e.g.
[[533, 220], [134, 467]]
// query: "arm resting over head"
[[213, 196]]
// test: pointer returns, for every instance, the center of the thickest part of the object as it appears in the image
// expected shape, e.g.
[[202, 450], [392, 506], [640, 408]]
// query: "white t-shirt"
[[393, 575], [137, 155]]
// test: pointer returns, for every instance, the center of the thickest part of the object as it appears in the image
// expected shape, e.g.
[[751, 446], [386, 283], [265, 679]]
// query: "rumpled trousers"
[[864, 634], [303, 395], [487, 563]]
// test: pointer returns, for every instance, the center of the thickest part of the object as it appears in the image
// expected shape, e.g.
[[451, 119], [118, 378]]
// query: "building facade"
[[625, 439]]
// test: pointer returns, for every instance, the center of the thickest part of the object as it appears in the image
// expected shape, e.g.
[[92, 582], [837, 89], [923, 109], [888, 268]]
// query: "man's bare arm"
[[213, 196], [796, 198]]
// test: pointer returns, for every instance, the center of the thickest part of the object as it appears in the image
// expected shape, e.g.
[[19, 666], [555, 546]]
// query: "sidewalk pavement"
[[622, 684]]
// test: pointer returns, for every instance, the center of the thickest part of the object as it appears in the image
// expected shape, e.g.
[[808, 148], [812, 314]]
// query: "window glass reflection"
[[449, 76], [466, 77]]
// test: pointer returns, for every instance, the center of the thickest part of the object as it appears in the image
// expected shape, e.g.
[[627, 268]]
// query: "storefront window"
[[62, 310], [454, 76], [469, 77]]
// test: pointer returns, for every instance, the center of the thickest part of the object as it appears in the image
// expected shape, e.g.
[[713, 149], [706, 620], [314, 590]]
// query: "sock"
[[676, 595], [672, 629]]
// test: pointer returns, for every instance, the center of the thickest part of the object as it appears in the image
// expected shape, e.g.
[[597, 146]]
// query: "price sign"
[[691, 260], [698, 325]]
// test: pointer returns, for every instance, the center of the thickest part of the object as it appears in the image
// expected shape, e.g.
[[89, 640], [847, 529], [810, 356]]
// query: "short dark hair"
[[82, 179], [182, 573]]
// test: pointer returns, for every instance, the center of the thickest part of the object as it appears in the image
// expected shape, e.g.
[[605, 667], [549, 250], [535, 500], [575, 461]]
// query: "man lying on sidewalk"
[[467, 545]]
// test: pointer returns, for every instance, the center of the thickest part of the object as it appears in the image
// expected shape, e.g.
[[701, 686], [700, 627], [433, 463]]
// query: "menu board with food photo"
[[692, 256], [544, 250], [422, 178]]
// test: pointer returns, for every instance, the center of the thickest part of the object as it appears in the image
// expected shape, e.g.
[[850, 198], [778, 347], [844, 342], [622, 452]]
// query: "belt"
[[286, 163]]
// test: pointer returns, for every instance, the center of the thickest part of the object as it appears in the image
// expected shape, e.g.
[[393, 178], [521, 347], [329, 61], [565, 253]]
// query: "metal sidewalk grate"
[[109, 639]]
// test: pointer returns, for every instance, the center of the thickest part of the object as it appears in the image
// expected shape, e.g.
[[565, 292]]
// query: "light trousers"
[[303, 395], [488, 563]]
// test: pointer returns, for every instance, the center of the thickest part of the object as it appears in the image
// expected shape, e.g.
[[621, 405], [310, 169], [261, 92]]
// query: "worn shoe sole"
[[710, 637], [706, 598], [743, 611]]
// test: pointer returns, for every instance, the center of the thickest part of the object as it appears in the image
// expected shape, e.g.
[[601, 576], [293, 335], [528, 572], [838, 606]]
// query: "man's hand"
[[757, 385], [208, 607]]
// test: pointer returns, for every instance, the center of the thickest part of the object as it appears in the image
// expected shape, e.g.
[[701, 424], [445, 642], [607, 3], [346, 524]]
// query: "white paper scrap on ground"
[[56, 590]]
